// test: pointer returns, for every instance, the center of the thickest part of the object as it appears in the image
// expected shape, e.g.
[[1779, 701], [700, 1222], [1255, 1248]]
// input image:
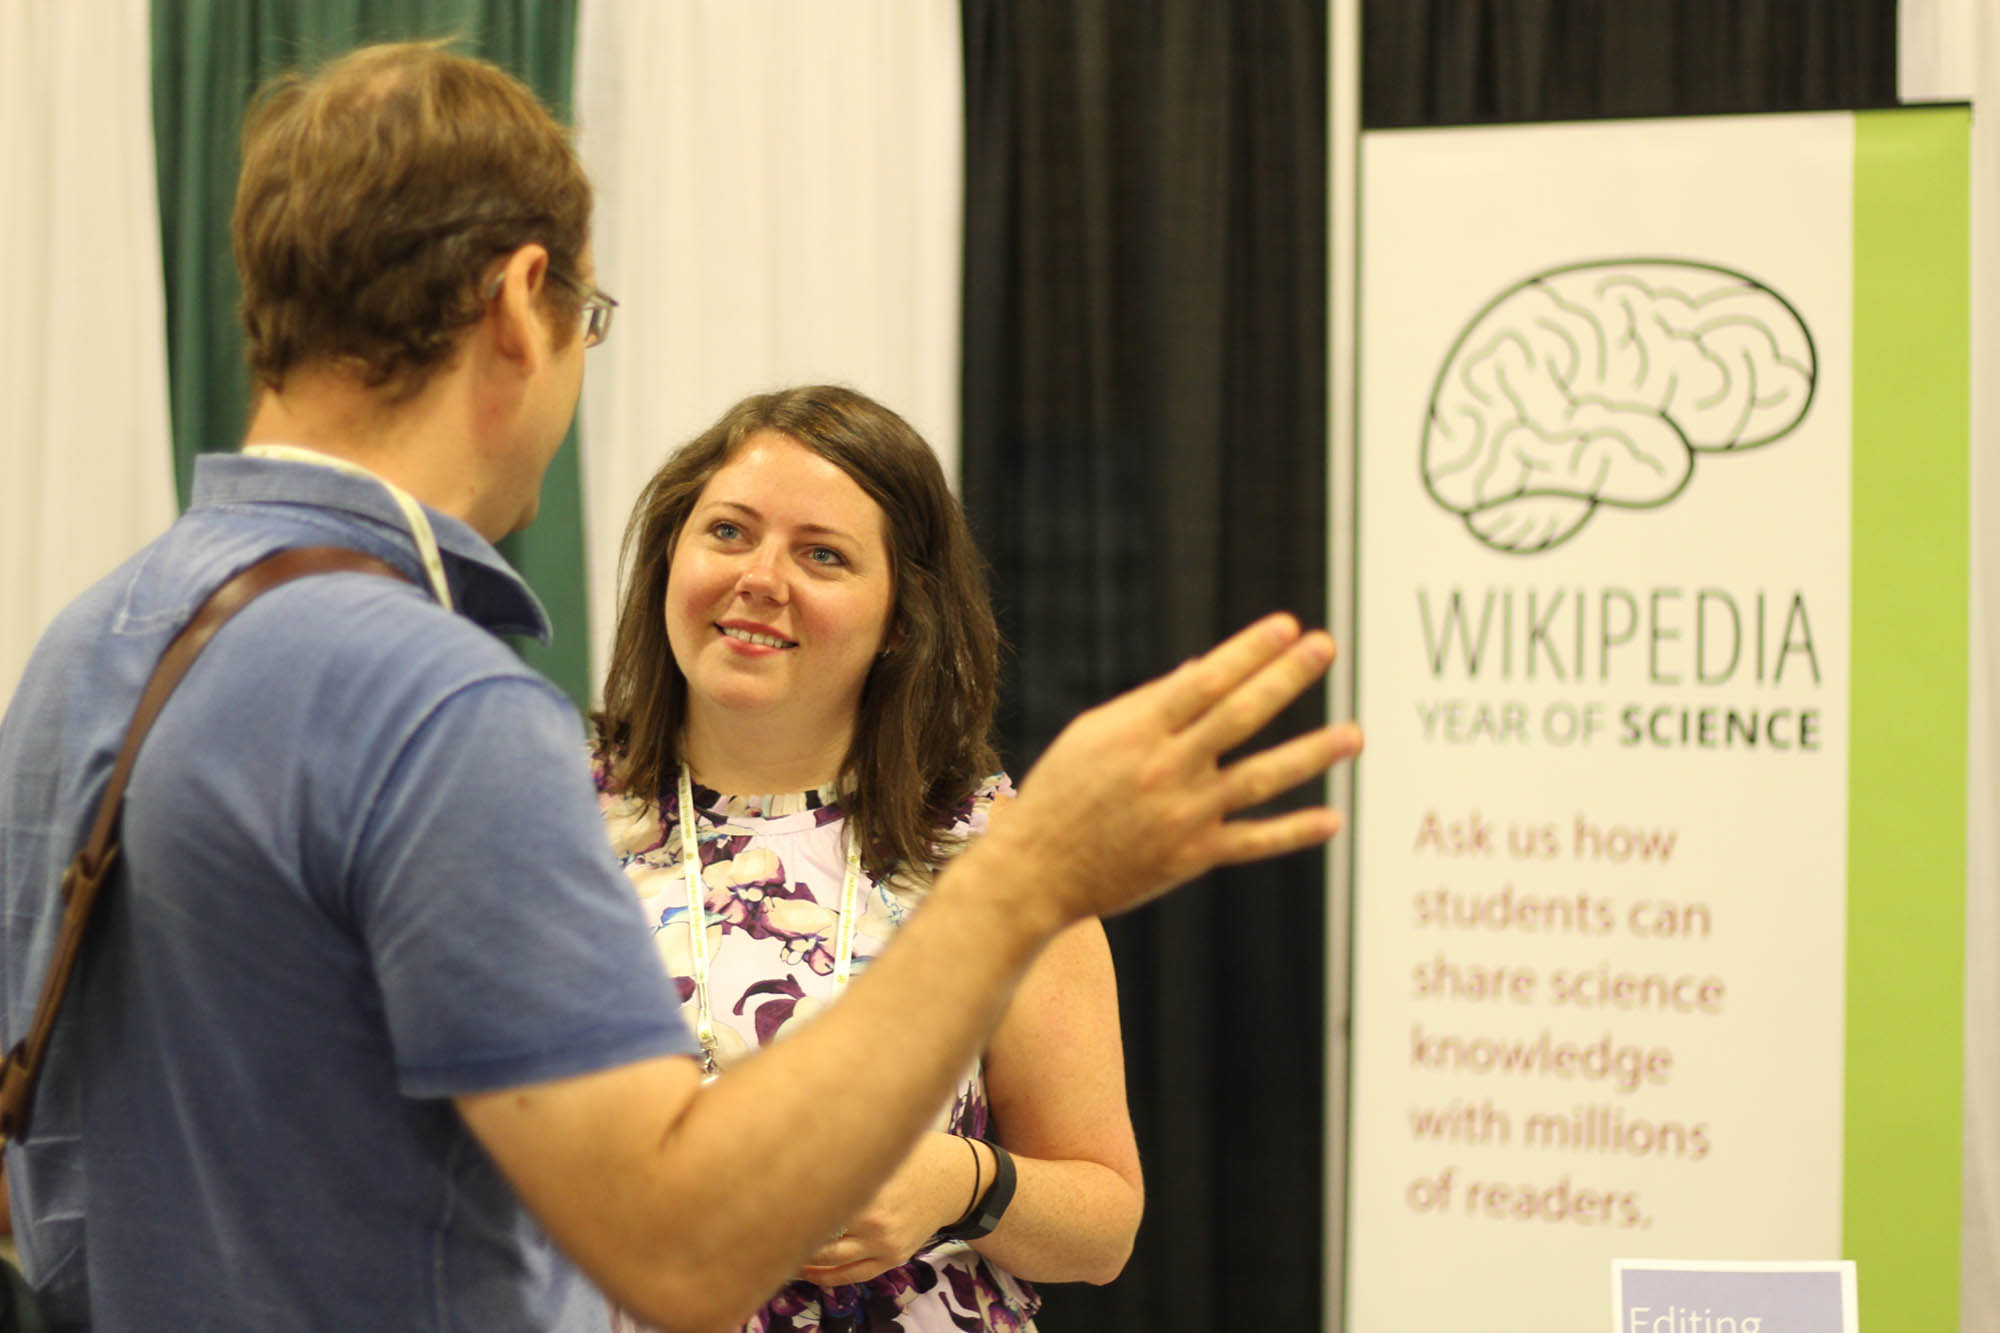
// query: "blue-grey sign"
[[1734, 1298]]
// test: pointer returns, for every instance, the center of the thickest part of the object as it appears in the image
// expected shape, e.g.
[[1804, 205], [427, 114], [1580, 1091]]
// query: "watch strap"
[[986, 1214]]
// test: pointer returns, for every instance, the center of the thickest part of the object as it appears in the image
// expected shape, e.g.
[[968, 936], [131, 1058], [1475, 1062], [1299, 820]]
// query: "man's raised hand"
[[1134, 798]]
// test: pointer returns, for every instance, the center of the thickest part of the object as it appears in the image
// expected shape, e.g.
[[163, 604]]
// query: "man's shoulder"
[[354, 619], [342, 623], [97, 652], [361, 666]]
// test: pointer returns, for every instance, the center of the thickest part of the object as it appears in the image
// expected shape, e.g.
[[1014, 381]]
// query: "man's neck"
[[420, 444]]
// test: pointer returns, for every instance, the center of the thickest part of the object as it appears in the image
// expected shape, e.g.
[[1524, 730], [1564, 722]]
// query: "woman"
[[805, 658]]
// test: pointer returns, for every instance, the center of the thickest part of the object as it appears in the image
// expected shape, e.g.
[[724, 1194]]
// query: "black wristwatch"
[[985, 1215]]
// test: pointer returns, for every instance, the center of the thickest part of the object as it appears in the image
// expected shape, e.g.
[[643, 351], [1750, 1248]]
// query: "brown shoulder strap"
[[92, 866]]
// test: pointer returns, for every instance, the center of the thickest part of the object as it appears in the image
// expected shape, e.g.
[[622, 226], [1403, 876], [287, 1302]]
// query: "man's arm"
[[690, 1204]]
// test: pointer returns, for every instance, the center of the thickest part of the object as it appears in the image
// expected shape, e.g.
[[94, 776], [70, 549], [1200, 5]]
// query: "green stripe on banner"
[[1907, 761]]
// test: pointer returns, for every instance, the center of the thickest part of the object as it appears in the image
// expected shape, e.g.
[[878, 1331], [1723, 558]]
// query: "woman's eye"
[[825, 555], [725, 530]]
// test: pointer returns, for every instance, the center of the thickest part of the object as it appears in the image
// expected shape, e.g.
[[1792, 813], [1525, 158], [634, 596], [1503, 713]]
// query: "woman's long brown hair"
[[922, 740]]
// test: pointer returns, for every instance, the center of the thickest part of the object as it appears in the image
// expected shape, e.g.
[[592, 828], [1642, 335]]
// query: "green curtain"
[[208, 57]]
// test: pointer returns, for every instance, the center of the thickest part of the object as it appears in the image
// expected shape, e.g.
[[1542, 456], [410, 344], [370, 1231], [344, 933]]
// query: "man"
[[366, 1022]]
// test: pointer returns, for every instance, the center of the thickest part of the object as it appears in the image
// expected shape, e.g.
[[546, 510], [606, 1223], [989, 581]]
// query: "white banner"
[[1603, 556]]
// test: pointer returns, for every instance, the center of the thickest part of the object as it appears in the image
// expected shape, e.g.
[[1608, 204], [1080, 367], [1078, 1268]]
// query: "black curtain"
[[1462, 62], [1144, 445], [1144, 463]]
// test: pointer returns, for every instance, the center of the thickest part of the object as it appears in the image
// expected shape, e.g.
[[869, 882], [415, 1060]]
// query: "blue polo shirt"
[[363, 873]]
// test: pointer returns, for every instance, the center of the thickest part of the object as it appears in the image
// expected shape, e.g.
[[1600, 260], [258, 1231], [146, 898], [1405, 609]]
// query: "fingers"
[[1186, 694], [1254, 839], [1240, 713], [854, 1270], [835, 1255], [1263, 775], [1256, 779]]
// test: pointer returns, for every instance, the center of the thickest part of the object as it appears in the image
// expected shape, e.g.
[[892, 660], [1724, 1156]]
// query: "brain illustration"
[[1597, 384]]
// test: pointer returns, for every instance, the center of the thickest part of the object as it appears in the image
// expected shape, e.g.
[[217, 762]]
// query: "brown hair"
[[373, 196], [922, 739]]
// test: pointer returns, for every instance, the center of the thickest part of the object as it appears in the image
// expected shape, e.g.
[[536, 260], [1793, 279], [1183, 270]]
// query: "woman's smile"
[[755, 636]]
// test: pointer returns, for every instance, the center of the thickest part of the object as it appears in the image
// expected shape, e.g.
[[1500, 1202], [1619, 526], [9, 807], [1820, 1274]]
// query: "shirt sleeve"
[[508, 948]]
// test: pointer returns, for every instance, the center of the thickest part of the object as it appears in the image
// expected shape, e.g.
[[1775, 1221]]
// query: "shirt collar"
[[486, 587]]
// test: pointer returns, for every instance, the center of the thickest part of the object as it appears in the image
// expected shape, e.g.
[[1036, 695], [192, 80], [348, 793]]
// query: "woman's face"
[[780, 591]]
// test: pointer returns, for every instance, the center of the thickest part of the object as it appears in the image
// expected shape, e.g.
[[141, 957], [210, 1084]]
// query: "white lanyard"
[[843, 945], [413, 513]]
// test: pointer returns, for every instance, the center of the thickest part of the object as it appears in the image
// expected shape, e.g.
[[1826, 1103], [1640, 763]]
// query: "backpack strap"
[[92, 866]]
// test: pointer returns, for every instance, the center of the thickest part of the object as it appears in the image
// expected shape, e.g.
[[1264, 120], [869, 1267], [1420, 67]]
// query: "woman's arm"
[[1055, 1077]]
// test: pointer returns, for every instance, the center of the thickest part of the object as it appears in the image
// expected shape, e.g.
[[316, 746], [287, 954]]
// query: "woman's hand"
[[929, 1191]]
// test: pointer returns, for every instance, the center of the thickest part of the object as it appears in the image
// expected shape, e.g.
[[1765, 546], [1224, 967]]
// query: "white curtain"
[[1936, 57], [83, 379], [779, 197], [1949, 50]]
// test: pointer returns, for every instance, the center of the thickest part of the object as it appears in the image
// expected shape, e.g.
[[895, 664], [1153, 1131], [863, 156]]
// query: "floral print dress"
[[772, 873]]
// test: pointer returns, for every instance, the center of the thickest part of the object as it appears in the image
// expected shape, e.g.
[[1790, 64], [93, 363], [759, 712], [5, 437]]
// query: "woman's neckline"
[[774, 805]]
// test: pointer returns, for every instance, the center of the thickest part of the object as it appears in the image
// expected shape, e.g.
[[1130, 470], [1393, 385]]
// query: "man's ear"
[[513, 311]]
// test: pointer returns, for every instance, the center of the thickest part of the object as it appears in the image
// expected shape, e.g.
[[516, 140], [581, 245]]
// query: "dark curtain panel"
[[1460, 62], [209, 56], [1144, 462], [1144, 454]]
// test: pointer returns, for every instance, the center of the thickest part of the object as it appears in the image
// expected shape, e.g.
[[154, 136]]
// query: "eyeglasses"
[[597, 307], [597, 304]]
